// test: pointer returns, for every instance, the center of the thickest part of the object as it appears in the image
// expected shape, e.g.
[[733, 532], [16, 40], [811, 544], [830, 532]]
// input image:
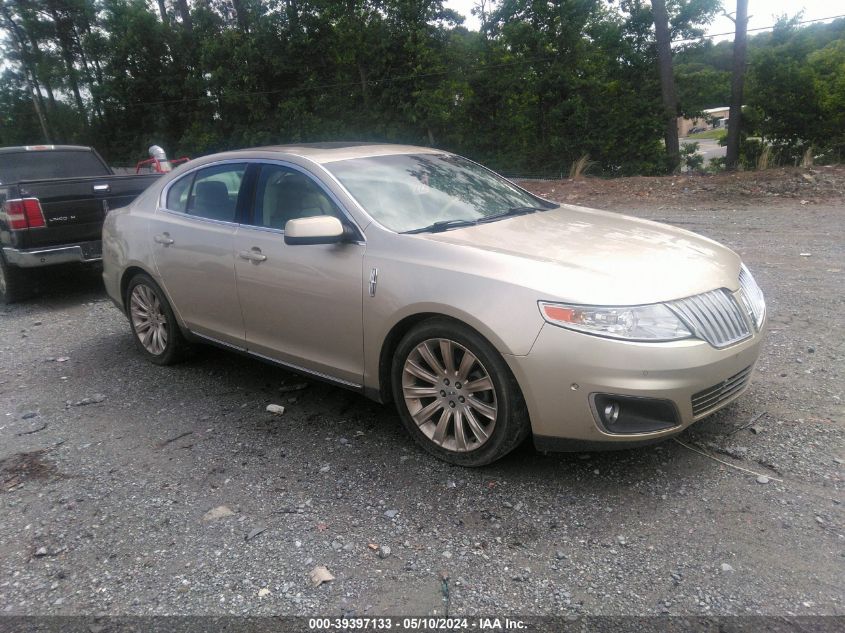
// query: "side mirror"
[[320, 229]]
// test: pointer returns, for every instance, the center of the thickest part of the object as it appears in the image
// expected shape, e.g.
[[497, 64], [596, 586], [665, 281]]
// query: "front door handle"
[[164, 238], [254, 255]]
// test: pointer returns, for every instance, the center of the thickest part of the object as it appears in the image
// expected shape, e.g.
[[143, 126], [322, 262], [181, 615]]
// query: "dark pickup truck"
[[53, 200]]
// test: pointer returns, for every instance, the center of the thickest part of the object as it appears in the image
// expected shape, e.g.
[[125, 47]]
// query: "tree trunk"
[[63, 27], [241, 15], [365, 91], [737, 84], [28, 71], [162, 9], [667, 83], [185, 14]]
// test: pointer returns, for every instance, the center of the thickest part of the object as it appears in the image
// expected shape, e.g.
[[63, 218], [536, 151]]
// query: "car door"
[[301, 304], [192, 237]]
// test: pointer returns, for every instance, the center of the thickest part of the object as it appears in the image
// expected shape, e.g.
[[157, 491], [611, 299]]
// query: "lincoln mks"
[[415, 276]]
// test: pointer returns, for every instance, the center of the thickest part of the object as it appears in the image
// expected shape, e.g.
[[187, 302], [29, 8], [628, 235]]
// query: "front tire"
[[154, 326], [455, 394]]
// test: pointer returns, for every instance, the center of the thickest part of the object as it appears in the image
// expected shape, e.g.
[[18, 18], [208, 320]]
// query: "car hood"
[[589, 256]]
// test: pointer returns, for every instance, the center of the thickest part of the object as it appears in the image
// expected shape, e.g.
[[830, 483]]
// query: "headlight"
[[635, 323]]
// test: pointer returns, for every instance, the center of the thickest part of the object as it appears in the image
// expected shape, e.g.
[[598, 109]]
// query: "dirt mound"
[[777, 186]]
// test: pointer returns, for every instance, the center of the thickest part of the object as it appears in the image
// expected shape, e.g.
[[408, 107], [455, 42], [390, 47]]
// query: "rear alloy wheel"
[[153, 324], [456, 396]]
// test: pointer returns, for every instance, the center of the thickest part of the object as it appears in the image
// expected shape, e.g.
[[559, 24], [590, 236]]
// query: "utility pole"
[[737, 83], [667, 83]]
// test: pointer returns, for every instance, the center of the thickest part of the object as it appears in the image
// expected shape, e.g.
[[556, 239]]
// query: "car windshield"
[[411, 192]]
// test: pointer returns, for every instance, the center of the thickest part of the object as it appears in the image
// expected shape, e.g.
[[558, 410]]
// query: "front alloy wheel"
[[455, 394], [450, 395]]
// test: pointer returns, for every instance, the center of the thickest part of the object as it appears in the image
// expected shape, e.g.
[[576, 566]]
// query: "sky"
[[762, 12]]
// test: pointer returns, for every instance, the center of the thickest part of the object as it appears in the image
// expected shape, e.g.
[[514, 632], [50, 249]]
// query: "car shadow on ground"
[[322, 410], [64, 286], [235, 389]]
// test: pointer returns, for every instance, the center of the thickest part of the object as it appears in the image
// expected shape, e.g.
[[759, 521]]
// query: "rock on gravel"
[[217, 513], [319, 575]]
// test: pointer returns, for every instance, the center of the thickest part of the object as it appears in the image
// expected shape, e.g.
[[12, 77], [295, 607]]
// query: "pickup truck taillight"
[[25, 213]]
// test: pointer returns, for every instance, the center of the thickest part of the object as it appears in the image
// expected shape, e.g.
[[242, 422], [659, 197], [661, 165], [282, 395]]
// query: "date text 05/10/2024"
[[416, 624]]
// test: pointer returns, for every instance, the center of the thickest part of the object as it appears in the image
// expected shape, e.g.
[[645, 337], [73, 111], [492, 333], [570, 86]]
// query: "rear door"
[[192, 241], [301, 304]]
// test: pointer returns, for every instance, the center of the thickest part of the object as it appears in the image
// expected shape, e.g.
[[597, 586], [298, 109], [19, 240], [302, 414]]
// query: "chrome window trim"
[[162, 199]]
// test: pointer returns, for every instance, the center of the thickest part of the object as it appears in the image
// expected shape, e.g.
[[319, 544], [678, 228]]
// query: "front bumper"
[[566, 369], [82, 252]]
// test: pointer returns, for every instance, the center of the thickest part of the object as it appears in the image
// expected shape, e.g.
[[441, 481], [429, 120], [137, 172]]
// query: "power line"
[[759, 28]]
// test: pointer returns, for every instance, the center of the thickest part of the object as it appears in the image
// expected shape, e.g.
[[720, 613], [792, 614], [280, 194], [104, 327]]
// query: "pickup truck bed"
[[53, 200]]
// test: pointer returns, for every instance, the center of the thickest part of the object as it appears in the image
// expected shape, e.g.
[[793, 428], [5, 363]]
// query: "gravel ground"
[[127, 488]]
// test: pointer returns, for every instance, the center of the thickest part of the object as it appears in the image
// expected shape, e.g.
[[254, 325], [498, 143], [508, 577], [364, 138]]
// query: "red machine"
[[158, 161]]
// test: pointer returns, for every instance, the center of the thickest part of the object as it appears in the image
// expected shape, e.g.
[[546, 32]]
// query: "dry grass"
[[764, 159], [580, 167], [807, 160]]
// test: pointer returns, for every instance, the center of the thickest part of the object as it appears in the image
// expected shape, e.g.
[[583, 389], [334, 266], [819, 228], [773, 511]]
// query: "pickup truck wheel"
[[154, 325], [14, 284], [456, 395]]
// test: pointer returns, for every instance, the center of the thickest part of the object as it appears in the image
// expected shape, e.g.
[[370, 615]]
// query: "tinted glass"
[[40, 165], [214, 194], [284, 194], [177, 195], [407, 192]]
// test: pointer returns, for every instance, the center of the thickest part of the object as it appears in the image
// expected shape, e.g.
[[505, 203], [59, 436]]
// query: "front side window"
[[215, 190], [284, 194]]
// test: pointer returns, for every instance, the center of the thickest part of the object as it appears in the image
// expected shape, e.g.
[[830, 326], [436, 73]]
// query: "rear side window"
[[177, 195], [208, 193], [214, 194], [44, 164]]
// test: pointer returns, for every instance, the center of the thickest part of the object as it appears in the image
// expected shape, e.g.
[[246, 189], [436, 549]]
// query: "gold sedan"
[[415, 276]]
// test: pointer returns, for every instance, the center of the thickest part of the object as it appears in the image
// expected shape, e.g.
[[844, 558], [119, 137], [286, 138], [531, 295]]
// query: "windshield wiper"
[[511, 212], [443, 225]]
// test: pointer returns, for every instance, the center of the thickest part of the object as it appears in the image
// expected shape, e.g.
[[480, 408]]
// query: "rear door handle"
[[164, 238], [253, 255], [102, 188]]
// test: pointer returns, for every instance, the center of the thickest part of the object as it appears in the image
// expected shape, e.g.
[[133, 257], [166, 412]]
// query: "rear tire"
[[154, 327], [456, 395], [15, 283]]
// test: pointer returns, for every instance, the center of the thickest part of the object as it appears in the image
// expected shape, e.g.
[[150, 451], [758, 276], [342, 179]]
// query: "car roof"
[[331, 152]]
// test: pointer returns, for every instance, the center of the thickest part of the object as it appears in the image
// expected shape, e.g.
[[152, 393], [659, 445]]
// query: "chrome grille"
[[714, 397], [713, 316], [752, 297]]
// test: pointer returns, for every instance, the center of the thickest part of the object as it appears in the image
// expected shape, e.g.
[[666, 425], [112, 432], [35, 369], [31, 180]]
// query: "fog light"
[[639, 415], [611, 412]]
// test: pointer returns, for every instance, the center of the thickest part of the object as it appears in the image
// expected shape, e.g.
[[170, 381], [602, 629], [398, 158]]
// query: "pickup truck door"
[[302, 305], [192, 244]]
